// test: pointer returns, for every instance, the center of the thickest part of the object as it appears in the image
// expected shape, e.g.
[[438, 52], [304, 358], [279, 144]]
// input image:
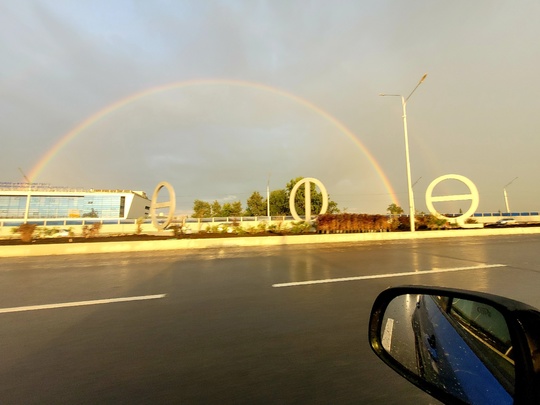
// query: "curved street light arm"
[[419, 83], [510, 182]]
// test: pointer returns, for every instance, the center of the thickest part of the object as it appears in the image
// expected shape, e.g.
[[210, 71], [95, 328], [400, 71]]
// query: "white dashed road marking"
[[411, 273], [80, 303]]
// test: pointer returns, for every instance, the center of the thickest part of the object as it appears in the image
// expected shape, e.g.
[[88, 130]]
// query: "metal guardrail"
[[86, 221], [66, 222], [505, 214]]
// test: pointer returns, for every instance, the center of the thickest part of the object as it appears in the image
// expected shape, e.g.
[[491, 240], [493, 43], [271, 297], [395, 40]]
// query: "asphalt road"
[[224, 333]]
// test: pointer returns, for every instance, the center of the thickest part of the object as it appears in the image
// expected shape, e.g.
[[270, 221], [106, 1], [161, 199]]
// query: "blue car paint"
[[467, 376]]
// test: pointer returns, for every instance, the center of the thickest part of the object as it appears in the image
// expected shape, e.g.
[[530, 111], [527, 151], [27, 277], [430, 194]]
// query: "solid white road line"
[[80, 303], [387, 334], [411, 273]]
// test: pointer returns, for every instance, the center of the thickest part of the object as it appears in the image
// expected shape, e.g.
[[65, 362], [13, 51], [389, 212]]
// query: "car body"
[[459, 346], [506, 221], [447, 343]]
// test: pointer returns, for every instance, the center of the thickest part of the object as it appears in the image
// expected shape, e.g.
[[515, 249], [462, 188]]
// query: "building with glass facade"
[[43, 202]]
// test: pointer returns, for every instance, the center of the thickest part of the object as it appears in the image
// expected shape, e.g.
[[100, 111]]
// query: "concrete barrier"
[[181, 244]]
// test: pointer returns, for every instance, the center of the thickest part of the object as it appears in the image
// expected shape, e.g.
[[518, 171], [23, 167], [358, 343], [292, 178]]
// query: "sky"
[[222, 98]]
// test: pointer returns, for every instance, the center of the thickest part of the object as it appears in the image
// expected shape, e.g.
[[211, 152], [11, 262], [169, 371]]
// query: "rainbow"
[[91, 120]]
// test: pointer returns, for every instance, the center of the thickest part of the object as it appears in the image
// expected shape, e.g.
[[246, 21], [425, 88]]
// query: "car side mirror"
[[461, 347]]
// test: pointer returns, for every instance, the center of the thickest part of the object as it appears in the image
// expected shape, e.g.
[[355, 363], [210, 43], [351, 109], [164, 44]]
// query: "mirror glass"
[[463, 347]]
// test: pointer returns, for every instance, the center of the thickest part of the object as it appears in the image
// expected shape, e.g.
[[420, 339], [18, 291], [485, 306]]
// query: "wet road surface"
[[233, 325]]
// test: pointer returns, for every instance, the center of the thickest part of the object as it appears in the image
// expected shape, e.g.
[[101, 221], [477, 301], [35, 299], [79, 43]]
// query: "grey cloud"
[[65, 61]]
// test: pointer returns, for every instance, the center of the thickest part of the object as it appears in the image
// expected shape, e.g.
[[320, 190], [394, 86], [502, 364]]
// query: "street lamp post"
[[268, 199], [407, 159], [29, 194], [506, 195]]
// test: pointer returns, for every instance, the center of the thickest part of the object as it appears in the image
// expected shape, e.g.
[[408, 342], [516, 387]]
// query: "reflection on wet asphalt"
[[222, 334]]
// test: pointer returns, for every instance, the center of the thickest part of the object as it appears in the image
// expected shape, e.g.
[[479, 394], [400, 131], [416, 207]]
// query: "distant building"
[[62, 203]]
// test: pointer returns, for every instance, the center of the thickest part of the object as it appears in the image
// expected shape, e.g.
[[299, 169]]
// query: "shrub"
[[45, 232], [431, 222], [276, 228], [94, 230], [347, 223], [178, 231], [139, 223], [91, 231], [240, 231], [27, 232], [212, 229], [301, 227]]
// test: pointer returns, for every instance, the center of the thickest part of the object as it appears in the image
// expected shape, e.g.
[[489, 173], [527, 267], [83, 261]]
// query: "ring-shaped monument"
[[307, 193], [171, 204], [473, 196]]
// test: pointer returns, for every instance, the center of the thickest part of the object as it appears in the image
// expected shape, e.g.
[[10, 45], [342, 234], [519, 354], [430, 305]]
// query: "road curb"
[[182, 244]]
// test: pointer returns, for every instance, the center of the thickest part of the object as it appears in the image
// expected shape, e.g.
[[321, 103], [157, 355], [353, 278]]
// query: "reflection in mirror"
[[463, 347]]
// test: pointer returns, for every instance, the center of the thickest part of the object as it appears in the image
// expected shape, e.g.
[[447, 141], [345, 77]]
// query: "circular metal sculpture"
[[160, 226], [307, 181], [473, 196]]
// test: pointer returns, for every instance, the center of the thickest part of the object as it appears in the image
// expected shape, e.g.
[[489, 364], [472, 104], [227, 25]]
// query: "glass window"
[[122, 206], [12, 206], [74, 222], [55, 223], [64, 206], [486, 332], [482, 317]]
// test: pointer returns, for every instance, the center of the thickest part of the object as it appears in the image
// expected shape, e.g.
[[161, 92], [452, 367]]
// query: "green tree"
[[232, 209], [333, 207], [216, 210], [201, 209], [237, 210], [316, 199], [394, 209], [256, 205], [279, 203]]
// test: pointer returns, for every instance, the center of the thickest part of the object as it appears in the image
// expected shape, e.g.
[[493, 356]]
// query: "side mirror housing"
[[461, 347]]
